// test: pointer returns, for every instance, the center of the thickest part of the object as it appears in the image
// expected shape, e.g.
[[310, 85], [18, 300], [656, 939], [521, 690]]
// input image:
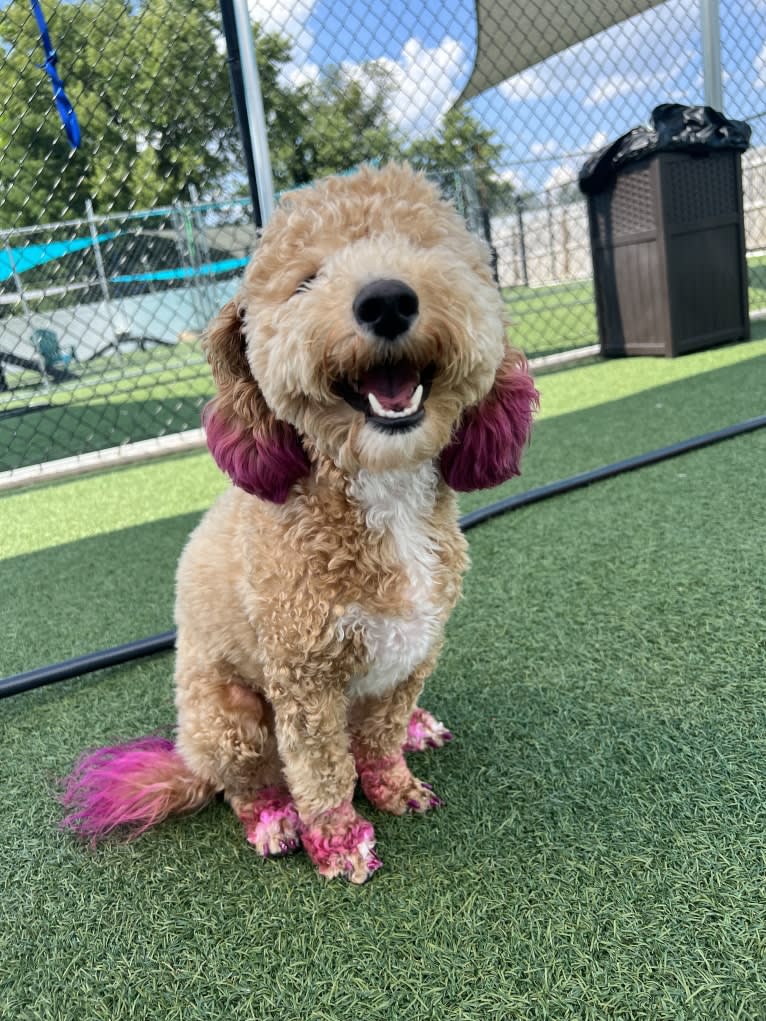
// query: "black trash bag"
[[672, 128]]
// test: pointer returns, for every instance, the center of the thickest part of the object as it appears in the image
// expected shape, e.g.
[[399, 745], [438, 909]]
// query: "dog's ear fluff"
[[487, 446], [260, 453]]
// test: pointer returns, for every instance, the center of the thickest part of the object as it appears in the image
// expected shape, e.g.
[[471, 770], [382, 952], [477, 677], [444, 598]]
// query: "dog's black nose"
[[386, 307]]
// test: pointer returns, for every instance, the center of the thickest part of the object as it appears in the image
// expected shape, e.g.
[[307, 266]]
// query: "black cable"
[[164, 642], [86, 664], [608, 471]]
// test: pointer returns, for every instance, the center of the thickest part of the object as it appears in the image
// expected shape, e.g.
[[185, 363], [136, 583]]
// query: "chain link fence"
[[114, 256]]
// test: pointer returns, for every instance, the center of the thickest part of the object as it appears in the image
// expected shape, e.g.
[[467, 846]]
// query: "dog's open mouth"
[[391, 395]]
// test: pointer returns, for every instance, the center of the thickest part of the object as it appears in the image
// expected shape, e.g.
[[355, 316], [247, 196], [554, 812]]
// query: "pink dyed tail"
[[134, 785]]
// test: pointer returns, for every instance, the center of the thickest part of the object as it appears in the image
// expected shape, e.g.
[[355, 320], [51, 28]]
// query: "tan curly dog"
[[362, 377]]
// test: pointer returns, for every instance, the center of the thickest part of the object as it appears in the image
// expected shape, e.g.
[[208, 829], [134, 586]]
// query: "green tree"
[[149, 82], [343, 122], [463, 154]]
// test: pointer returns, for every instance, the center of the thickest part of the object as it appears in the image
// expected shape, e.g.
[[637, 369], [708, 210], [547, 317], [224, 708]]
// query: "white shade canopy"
[[515, 34]]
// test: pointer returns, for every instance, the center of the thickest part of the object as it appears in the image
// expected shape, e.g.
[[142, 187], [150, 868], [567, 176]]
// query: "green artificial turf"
[[601, 854]]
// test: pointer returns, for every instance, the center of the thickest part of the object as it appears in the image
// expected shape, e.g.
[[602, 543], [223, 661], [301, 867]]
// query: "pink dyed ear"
[[263, 462], [486, 449], [259, 452]]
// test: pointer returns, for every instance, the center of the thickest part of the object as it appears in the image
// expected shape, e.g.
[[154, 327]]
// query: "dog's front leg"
[[312, 737], [379, 726]]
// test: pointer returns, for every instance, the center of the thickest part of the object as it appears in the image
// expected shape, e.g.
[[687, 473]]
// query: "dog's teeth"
[[375, 404], [411, 408]]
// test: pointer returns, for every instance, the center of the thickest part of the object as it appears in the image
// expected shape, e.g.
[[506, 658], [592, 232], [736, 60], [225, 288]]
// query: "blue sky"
[[547, 116]]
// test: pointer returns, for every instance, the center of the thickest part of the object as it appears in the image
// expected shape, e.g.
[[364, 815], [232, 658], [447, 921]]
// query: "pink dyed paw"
[[424, 732], [340, 843], [390, 786], [271, 822]]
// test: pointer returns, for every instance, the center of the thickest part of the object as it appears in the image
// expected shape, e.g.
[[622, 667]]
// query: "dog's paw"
[[271, 822], [390, 786], [423, 731], [340, 843]]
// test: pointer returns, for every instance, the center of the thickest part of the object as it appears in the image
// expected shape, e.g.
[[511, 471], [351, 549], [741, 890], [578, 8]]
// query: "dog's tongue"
[[393, 385]]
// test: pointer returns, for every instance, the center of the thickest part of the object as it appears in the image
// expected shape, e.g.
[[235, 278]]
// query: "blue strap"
[[64, 107]]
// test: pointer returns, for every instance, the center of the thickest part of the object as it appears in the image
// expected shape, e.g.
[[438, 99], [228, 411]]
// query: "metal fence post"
[[255, 113], [710, 27], [551, 239], [25, 306], [565, 241], [522, 242], [202, 249], [97, 249], [17, 282], [185, 245]]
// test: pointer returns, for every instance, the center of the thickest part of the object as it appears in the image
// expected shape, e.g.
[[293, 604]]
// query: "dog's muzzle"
[[391, 393]]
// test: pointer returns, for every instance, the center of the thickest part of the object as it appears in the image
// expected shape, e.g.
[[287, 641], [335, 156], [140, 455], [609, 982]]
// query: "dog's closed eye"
[[305, 284]]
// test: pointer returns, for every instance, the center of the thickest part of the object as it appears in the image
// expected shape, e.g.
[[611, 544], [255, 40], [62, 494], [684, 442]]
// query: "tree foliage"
[[150, 86], [344, 122], [464, 150]]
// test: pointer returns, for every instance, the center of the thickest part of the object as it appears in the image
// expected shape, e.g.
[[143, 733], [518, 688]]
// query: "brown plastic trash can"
[[668, 244]]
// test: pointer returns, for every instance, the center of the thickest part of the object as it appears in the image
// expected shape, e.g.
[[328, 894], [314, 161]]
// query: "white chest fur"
[[399, 502]]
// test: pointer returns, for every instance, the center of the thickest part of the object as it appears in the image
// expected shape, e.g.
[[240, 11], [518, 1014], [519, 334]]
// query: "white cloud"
[[542, 150], [598, 141], [424, 82], [295, 75], [609, 87], [760, 68], [288, 18], [510, 176], [536, 83], [427, 83], [567, 169], [563, 174]]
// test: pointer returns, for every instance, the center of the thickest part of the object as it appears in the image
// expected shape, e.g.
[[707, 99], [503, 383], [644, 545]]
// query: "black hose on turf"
[[86, 664], [164, 642], [608, 471]]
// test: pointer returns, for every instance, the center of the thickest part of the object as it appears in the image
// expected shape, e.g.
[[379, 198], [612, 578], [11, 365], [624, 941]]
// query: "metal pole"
[[255, 115], [710, 28], [97, 249], [18, 283], [27, 311], [206, 283], [240, 106], [565, 241], [551, 242], [522, 242]]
